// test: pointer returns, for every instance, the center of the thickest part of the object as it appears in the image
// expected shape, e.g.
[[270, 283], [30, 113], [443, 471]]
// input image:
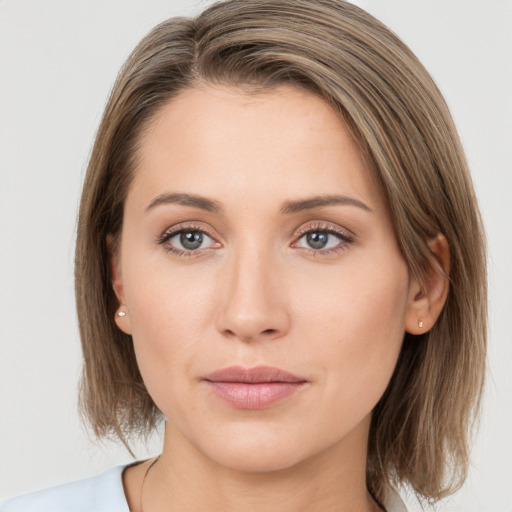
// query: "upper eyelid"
[[326, 226], [174, 230]]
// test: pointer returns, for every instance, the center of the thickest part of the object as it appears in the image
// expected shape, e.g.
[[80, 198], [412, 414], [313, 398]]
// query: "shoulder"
[[101, 493]]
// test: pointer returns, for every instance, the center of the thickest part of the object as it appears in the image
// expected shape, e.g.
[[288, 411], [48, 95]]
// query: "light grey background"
[[58, 60]]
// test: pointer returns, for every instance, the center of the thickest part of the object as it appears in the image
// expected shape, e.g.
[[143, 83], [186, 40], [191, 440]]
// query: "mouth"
[[254, 388]]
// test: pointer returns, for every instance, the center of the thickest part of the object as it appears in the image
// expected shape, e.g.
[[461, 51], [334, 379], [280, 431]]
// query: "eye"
[[186, 241], [323, 240], [190, 240], [319, 240]]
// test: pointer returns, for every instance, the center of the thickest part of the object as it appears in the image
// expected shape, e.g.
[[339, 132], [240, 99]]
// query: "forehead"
[[224, 141]]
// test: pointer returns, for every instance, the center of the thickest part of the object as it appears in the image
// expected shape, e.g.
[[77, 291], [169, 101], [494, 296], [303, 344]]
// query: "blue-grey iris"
[[191, 239], [317, 240]]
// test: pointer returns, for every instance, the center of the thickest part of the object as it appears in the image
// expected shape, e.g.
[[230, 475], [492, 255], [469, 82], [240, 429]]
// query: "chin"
[[258, 460], [257, 450]]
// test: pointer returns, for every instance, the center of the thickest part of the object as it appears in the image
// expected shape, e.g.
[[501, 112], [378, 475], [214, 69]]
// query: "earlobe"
[[427, 299], [122, 318]]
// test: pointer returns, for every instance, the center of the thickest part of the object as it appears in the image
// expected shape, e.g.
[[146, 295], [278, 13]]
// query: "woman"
[[279, 252]]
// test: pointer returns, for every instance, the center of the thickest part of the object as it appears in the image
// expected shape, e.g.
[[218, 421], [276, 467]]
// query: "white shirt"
[[101, 493]]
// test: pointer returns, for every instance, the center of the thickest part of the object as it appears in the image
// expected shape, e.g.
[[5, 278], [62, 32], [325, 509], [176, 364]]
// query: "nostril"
[[249, 337]]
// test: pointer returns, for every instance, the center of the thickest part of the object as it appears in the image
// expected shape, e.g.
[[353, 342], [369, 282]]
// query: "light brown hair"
[[420, 427]]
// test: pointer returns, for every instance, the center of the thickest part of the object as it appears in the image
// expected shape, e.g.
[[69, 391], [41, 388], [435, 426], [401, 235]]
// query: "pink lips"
[[253, 388]]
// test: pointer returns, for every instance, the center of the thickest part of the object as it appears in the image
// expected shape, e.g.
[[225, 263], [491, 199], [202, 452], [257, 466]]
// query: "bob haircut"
[[420, 429]]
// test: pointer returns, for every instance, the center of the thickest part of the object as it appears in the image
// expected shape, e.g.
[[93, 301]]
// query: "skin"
[[257, 293]]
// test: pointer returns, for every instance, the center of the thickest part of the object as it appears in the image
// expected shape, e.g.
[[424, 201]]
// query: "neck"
[[330, 481]]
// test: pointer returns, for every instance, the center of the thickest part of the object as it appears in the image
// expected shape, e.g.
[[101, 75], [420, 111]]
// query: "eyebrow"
[[320, 201], [200, 202], [289, 207]]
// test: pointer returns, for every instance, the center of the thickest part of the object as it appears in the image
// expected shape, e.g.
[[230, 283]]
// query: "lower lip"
[[254, 396]]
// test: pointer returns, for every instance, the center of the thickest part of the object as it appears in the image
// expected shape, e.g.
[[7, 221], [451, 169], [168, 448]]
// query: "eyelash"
[[345, 239], [182, 228]]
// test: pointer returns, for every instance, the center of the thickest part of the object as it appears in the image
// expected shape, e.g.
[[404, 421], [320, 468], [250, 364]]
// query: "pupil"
[[317, 240], [191, 239]]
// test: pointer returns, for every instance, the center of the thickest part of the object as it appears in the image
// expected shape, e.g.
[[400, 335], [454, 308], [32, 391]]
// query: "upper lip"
[[258, 374]]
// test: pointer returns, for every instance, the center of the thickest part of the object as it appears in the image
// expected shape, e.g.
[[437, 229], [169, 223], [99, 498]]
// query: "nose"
[[253, 301]]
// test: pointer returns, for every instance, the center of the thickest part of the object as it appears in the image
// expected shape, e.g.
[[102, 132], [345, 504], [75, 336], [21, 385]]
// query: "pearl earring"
[[121, 313], [420, 324]]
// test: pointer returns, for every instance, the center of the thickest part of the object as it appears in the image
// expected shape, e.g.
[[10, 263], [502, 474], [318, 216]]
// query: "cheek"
[[357, 327], [170, 316]]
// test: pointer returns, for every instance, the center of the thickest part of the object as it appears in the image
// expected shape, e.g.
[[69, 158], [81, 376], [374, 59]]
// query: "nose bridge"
[[253, 303]]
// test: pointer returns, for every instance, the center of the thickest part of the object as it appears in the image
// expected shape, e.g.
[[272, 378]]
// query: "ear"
[[122, 317], [427, 299]]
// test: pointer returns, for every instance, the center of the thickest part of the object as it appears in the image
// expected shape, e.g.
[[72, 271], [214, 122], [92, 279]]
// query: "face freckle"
[[255, 236]]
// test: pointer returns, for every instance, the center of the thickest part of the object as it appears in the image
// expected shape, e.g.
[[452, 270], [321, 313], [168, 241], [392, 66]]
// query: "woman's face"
[[254, 236]]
